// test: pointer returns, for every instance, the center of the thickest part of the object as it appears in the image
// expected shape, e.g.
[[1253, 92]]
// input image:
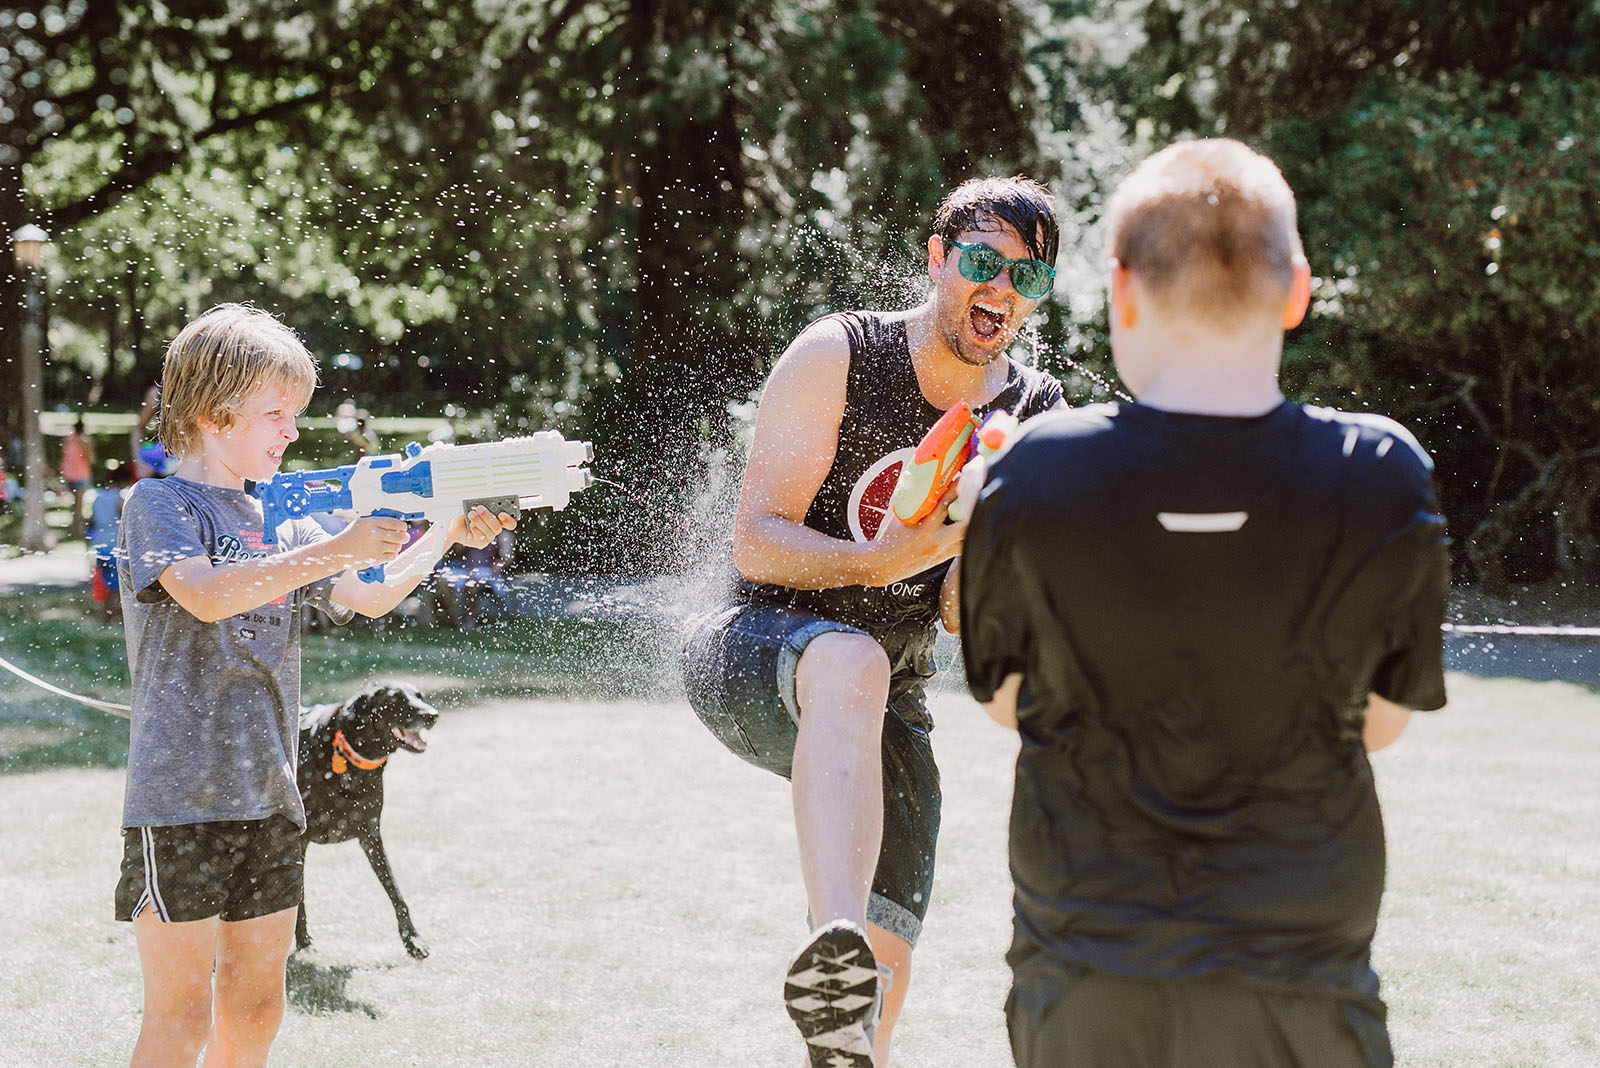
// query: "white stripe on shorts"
[[152, 886]]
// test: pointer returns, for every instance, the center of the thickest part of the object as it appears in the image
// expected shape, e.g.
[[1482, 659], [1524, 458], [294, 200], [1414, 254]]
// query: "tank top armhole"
[[855, 331]]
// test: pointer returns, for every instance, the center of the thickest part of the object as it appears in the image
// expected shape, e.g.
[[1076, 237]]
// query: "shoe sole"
[[831, 991]]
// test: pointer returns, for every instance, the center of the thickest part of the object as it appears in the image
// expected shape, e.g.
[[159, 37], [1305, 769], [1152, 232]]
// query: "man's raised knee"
[[841, 668]]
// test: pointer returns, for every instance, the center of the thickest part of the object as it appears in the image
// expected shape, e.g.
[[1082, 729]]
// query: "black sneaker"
[[831, 993]]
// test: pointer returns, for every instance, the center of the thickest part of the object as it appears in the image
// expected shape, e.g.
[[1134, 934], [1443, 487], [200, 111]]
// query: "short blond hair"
[[1209, 228], [219, 361]]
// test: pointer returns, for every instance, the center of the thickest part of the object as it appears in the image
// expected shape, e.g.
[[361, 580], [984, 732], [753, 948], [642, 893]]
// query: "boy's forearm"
[[403, 574], [210, 592], [373, 599], [1384, 722], [1002, 706]]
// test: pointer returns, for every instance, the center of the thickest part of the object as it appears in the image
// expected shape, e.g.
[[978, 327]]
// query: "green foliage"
[[609, 216], [1443, 157], [1453, 228], [604, 215]]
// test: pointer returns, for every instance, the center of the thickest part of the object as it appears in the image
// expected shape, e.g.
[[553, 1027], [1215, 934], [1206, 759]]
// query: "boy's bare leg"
[[842, 684], [175, 959], [251, 956]]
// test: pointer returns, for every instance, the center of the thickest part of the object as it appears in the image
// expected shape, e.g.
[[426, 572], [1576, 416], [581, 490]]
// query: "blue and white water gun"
[[435, 483]]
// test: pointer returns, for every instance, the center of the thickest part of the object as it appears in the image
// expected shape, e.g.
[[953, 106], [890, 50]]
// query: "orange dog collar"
[[344, 754]]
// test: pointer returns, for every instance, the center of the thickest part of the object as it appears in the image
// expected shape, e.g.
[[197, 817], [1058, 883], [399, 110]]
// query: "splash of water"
[[624, 490], [1100, 384]]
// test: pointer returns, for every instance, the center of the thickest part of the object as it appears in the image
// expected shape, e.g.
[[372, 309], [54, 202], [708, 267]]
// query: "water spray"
[[624, 490]]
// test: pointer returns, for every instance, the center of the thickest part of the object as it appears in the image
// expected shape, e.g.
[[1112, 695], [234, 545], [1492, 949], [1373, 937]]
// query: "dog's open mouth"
[[412, 740]]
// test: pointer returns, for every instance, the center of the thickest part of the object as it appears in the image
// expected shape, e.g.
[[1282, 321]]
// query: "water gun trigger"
[[375, 572]]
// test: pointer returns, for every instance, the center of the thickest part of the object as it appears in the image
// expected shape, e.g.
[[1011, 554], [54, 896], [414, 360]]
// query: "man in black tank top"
[[815, 669], [1202, 610]]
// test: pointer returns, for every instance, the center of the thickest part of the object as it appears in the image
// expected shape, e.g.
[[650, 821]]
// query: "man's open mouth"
[[411, 739], [986, 319]]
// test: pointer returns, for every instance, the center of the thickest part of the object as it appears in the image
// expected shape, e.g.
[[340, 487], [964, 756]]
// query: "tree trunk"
[[12, 216], [689, 354]]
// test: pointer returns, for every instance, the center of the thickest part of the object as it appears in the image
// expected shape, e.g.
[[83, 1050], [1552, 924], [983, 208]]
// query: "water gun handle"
[[375, 572]]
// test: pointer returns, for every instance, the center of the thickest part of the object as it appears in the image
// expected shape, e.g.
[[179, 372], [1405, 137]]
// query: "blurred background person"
[[77, 471], [105, 517]]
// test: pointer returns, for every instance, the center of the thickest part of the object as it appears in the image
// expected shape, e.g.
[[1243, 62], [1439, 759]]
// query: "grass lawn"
[[602, 884]]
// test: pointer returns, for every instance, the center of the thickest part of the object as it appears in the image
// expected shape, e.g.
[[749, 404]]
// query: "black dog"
[[343, 751]]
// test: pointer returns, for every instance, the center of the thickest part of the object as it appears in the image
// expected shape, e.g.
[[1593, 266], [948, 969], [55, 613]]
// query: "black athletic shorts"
[[1091, 1020], [238, 870], [739, 667]]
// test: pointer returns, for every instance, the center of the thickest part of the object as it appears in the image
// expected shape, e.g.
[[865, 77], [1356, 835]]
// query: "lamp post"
[[28, 243]]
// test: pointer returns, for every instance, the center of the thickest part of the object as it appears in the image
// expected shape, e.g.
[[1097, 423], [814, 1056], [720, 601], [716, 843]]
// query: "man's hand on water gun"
[[906, 549], [479, 528], [968, 484], [371, 539]]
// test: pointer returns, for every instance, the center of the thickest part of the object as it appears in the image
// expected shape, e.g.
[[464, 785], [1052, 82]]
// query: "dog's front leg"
[[372, 846]]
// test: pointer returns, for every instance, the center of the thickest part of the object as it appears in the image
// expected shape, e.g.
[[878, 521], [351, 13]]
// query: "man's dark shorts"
[[1087, 1019], [238, 870], [739, 666]]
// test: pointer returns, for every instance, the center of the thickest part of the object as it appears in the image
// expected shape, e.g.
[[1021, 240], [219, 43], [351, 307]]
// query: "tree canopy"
[[609, 216]]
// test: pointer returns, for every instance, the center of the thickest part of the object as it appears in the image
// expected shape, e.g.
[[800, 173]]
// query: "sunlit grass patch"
[[602, 884]]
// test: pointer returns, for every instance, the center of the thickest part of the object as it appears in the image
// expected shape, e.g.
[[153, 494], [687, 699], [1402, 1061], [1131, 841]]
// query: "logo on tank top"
[[869, 500]]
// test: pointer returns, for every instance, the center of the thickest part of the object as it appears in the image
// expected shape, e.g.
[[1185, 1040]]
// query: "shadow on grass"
[[319, 989]]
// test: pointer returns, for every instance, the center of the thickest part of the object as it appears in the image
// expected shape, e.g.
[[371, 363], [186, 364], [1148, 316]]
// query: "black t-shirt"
[[1199, 607], [885, 415]]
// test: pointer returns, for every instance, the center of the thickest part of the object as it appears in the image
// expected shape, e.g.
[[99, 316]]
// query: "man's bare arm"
[[796, 439], [950, 599]]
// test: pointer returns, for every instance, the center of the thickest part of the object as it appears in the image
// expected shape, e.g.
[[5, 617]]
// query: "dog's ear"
[[358, 706], [392, 702], [366, 695]]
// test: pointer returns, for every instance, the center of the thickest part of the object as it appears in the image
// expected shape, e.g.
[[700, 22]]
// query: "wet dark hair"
[[1020, 201]]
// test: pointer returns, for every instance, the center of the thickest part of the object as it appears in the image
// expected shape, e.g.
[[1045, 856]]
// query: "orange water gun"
[[944, 450]]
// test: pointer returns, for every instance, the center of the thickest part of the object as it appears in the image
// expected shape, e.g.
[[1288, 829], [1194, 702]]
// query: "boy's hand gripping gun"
[[944, 450], [436, 483]]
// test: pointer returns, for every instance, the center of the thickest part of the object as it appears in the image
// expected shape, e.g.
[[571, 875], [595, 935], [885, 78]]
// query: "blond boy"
[[1201, 611], [212, 818]]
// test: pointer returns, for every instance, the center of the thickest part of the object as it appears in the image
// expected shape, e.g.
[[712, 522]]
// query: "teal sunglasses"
[[979, 263]]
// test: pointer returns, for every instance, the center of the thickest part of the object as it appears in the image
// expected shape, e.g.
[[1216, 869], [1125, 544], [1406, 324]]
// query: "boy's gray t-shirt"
[[215, 722]]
